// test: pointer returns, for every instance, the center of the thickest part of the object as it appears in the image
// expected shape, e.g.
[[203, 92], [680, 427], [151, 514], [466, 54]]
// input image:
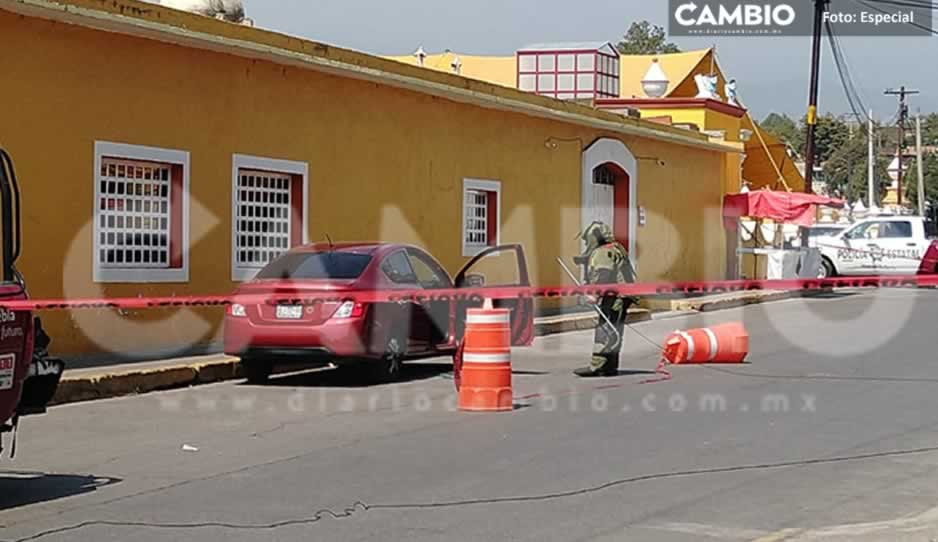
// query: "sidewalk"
[[717, 302], [564, 323], [144, 377]]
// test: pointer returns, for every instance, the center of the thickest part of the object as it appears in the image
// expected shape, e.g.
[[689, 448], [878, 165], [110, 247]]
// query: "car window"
[[871, 230], [316, 265], [428, 273], [931, 229], [858, 231], [397, 268], [896, 230], [825, 232]]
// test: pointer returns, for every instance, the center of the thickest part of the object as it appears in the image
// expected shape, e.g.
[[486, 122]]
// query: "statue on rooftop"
[[706, 86], [730, 90], [226, 10]]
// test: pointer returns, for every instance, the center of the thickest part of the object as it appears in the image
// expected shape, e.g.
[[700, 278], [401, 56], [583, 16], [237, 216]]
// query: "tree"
[[930, 129], [782, 127], [846, 168], [644, 39], [910, 179], [830, 134]]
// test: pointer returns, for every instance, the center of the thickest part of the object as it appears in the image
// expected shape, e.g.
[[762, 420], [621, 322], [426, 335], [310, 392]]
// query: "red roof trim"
[[673, 103]]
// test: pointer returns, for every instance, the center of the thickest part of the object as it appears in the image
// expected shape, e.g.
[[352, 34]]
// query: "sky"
[[771, 72]]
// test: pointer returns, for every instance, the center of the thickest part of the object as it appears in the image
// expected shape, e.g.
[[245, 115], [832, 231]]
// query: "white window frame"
[[469, 251], [273, 165], [106, 149]]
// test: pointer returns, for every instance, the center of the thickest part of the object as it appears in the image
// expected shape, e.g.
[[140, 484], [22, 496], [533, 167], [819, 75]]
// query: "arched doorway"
[[612, 182], [608, 190]]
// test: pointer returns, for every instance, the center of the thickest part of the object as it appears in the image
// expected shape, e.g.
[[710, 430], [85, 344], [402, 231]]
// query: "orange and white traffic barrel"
[[726, 343], [485, 376]]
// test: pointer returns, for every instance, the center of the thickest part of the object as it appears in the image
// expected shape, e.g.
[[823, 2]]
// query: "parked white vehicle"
[[885, 245], [818, 231]]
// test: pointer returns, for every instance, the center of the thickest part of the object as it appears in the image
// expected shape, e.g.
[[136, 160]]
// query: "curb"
[[733, 303], [105, 385]]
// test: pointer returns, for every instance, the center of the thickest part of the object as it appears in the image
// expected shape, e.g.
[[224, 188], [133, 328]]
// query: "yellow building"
[[164, 153], [766, 163]]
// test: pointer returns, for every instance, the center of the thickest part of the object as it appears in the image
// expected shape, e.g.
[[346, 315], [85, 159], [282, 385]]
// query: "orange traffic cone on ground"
[[726, 343], [485, 379]]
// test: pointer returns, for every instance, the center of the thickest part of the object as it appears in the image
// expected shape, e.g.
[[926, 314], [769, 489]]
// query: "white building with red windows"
[[570, 71]]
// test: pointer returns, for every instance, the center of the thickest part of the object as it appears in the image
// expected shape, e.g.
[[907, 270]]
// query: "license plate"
[[289, 312], [7, 371]]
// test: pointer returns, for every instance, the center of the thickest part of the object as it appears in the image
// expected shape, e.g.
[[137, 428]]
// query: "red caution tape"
[[663, 373], [457, 364], [474, 295]]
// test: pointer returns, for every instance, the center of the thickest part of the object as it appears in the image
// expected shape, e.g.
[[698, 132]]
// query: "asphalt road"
[[831, 433]]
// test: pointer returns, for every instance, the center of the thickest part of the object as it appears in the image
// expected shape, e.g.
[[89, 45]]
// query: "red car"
[[929, 265], [381, 334]]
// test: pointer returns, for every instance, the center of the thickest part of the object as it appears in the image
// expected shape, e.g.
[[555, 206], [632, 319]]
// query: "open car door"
[[495, 267]]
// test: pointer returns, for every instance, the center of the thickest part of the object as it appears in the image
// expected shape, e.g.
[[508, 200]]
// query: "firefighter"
[[607, 262]]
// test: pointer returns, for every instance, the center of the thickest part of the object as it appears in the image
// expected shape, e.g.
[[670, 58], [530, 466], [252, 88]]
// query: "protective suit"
[[607, 262]]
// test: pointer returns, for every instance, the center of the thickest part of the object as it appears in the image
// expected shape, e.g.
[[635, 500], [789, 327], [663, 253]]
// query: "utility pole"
[[872, 158], [918, 159], [900, 128], [820, 7]]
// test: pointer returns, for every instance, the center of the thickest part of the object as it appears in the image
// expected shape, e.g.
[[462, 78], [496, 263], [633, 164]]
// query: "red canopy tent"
[[789, 207]]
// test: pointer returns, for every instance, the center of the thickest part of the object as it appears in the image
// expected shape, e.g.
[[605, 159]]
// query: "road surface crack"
[[361, 507]]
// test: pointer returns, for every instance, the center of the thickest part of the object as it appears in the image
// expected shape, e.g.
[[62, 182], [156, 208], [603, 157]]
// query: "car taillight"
[[237, 310], [349, 309]]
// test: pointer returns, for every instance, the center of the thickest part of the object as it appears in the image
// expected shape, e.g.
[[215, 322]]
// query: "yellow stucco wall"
[[727, 123], [758, 166], [385, 164], [679, 115], [500, 70]]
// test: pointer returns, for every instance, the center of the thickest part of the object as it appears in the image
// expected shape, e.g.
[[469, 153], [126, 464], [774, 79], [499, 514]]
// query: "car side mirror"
[[475, 281]]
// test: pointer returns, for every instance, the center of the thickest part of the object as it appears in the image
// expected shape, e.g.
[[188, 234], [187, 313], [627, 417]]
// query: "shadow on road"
[[353, 376], [635, 372], [22, 489], [828, 294]]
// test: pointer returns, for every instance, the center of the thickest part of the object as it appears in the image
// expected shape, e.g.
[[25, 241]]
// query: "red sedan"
[[381, 334]]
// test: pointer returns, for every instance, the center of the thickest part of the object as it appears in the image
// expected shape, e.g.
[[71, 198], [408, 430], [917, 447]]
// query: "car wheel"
[[256, 371], [388, 367], [827, 269]]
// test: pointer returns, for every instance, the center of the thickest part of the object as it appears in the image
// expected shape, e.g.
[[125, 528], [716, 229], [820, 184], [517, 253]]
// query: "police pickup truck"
[[886, 245]]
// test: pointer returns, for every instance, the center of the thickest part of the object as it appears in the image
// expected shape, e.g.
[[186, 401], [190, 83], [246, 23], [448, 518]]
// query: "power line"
[[843, 70], [920, 4], [902, 93]]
